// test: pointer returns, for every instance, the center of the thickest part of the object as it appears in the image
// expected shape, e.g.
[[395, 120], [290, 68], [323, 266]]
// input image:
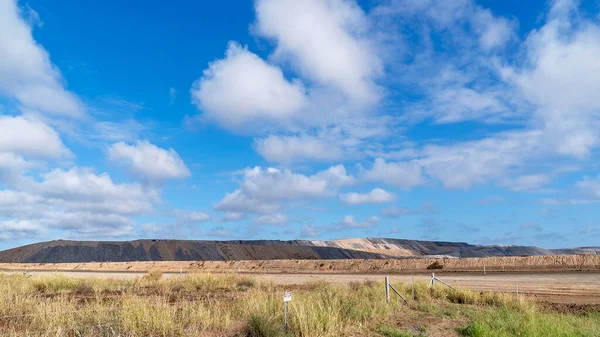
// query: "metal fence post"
[[517, 285], [286, 316], [387, 289]]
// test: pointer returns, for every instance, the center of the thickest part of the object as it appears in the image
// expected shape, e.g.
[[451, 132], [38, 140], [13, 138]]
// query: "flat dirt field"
[[572, 289]]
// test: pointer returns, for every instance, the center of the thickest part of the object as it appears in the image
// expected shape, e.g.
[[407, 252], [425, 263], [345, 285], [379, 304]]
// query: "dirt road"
[[581, 288]]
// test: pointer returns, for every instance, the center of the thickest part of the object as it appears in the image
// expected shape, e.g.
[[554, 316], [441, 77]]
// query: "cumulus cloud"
[[375, 196], [395, 211], [149, 161], [590, 186], [458, 18], [19, 229], [12, 167], [219, 232], [310, 231], [82, 189], [325, 40], [529, 182], [350, 222], [88, 224], [233, 216], [293, 149], [449, 67], [321, 108], [26, 72], [400, 174], [191, 217], [264, 190], [77, 202], [271, 219], [558, 76], [31, 138], [466, 164], [242, 88]]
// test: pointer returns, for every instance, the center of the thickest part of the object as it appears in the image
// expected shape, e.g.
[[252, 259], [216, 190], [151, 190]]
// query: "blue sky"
[[465, 120]]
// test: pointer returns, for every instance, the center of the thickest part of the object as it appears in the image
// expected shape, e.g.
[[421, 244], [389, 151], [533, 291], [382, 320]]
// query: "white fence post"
[[387, 289], [413, 286]]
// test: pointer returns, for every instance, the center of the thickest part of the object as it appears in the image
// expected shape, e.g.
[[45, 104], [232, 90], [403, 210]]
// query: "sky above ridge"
[[453, 120]]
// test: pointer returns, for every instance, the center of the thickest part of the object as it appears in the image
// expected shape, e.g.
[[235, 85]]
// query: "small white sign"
[[287, 296]]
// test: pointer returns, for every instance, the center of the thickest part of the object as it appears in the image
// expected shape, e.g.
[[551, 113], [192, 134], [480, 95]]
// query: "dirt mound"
[[174, 250], [62, 251]]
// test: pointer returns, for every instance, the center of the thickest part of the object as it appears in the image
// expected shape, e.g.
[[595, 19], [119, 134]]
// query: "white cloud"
[[12, 166], [240, 202], [328, 115], [233, 216], [466, 164], [77, 202], [395, 212], [218, 232], [350, 222], [326, 41], [310, 231], [29, 137], [14, 204], [493, 31], [559, 76], [19, 229], [335, 176], [81, 189], [149, 161], [89, 225], [192, 217], [375, 196], [26, 72], [293, 149], [264, 190], [271, 219], [457, 18], [126, 130], [401, 174], [243, 88], [151, 228], [590, 186], [459, 104], [529, 182]]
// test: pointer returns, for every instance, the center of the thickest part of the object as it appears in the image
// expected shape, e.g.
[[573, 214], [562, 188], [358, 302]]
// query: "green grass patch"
[[527, 321]]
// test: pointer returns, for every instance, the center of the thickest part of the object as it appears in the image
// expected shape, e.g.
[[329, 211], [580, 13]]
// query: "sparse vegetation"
[[435, 265], [237, 305]]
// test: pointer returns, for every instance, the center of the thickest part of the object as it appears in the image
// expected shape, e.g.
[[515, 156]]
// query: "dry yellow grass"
[[236, 305]]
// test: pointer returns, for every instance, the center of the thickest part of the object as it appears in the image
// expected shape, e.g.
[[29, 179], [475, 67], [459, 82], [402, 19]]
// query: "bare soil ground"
[[550, 263]]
